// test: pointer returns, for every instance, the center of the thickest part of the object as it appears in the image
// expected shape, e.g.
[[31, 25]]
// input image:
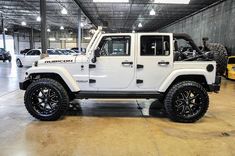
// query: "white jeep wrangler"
[[124, 65]]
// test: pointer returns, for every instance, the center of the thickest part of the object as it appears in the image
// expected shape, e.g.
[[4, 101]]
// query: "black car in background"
[[5, 55]]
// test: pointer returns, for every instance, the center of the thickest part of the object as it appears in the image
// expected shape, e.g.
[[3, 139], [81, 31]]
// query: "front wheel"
[[186, 102], [19, 63], [46, 99]]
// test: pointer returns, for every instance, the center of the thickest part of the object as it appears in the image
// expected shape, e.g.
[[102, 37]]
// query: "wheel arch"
[[59, 74], [201, 79]]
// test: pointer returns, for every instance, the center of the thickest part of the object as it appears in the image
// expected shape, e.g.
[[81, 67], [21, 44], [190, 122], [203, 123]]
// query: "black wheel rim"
[[45, 101], [188, 103]]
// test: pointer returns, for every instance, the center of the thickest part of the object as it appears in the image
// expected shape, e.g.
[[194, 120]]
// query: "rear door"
[[154, 60]]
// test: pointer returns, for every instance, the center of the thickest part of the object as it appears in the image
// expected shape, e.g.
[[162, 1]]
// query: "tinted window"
[[34, 52], [231, 61], [115, 46], [155, 45]]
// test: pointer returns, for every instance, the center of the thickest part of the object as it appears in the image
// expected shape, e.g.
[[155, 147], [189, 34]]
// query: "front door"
[[154, 60], [114, 69]]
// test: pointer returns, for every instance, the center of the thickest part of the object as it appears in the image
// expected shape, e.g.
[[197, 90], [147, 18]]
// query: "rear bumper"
[[216, 86]]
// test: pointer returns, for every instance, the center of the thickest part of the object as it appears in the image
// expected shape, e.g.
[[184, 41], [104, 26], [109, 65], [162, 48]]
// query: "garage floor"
[[113, 127]]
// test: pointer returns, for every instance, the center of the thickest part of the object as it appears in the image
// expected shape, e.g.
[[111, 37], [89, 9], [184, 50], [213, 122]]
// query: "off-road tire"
[[172, 107], [220, 56], [60, 92], [19, 63]]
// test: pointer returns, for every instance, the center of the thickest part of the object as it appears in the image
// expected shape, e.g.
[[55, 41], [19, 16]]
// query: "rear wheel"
[[186, 102], [46, 99]]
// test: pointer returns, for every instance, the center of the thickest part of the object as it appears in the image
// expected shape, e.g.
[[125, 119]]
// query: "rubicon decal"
[[59, 61]]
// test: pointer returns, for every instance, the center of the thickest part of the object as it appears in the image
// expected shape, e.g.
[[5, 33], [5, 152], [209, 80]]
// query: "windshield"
[[231, 61]]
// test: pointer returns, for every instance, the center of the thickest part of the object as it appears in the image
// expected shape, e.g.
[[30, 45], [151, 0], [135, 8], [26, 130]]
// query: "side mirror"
[[96, 54]]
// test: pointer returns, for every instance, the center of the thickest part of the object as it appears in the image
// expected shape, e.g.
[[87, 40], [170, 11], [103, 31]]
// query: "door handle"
[[163, 63], [127, 63]]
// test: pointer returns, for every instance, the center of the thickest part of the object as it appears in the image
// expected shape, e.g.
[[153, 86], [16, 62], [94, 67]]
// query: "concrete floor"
[[113, 127]]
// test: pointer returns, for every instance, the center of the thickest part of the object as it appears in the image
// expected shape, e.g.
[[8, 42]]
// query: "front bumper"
[[215, 87], [24, 85]]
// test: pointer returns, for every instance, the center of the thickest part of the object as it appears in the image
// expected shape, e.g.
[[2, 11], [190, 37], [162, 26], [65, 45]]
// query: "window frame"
[[164, 35], [129, 46]]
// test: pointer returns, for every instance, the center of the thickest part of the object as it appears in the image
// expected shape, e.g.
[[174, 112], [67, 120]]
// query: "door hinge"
[[92, 66], [92, 81], [139, 66], [139, 81]]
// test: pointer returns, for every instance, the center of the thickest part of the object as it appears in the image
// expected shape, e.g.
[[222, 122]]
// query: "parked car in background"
[[33, 55], [67, 52], [5, 55], [230, 71], [24, 51], [82, 51]]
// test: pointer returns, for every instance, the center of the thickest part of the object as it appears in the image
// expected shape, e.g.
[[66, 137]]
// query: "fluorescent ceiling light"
[[61, 28], [52, 39], [38, 19], [140, 25], [5, 29], [152, 12], [111, 1], [48, 30], [64, 11], [172, 1], [23, 23]]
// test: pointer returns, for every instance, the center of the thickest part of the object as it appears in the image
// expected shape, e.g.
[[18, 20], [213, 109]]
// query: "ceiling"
[[16, 11], [116, 17], [126, 16]]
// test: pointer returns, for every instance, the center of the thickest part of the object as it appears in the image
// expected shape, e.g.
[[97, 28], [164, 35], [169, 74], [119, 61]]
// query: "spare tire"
[[220, 56]]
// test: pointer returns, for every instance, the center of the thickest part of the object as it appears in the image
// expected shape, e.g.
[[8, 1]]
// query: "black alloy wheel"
[[46, 99], [186, 102]]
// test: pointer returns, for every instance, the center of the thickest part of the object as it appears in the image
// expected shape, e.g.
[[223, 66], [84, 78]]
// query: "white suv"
[[122, 65]]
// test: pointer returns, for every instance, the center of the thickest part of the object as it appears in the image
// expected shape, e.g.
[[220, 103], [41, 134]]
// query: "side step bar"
[[117, 94]]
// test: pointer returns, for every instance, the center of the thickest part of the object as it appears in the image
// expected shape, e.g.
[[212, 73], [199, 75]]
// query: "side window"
[[31, 52], [115, 46], [37, 52], [155, 45], [34, 52]]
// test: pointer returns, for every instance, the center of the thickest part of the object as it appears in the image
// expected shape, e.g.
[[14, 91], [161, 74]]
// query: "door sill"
[[118, 94]]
